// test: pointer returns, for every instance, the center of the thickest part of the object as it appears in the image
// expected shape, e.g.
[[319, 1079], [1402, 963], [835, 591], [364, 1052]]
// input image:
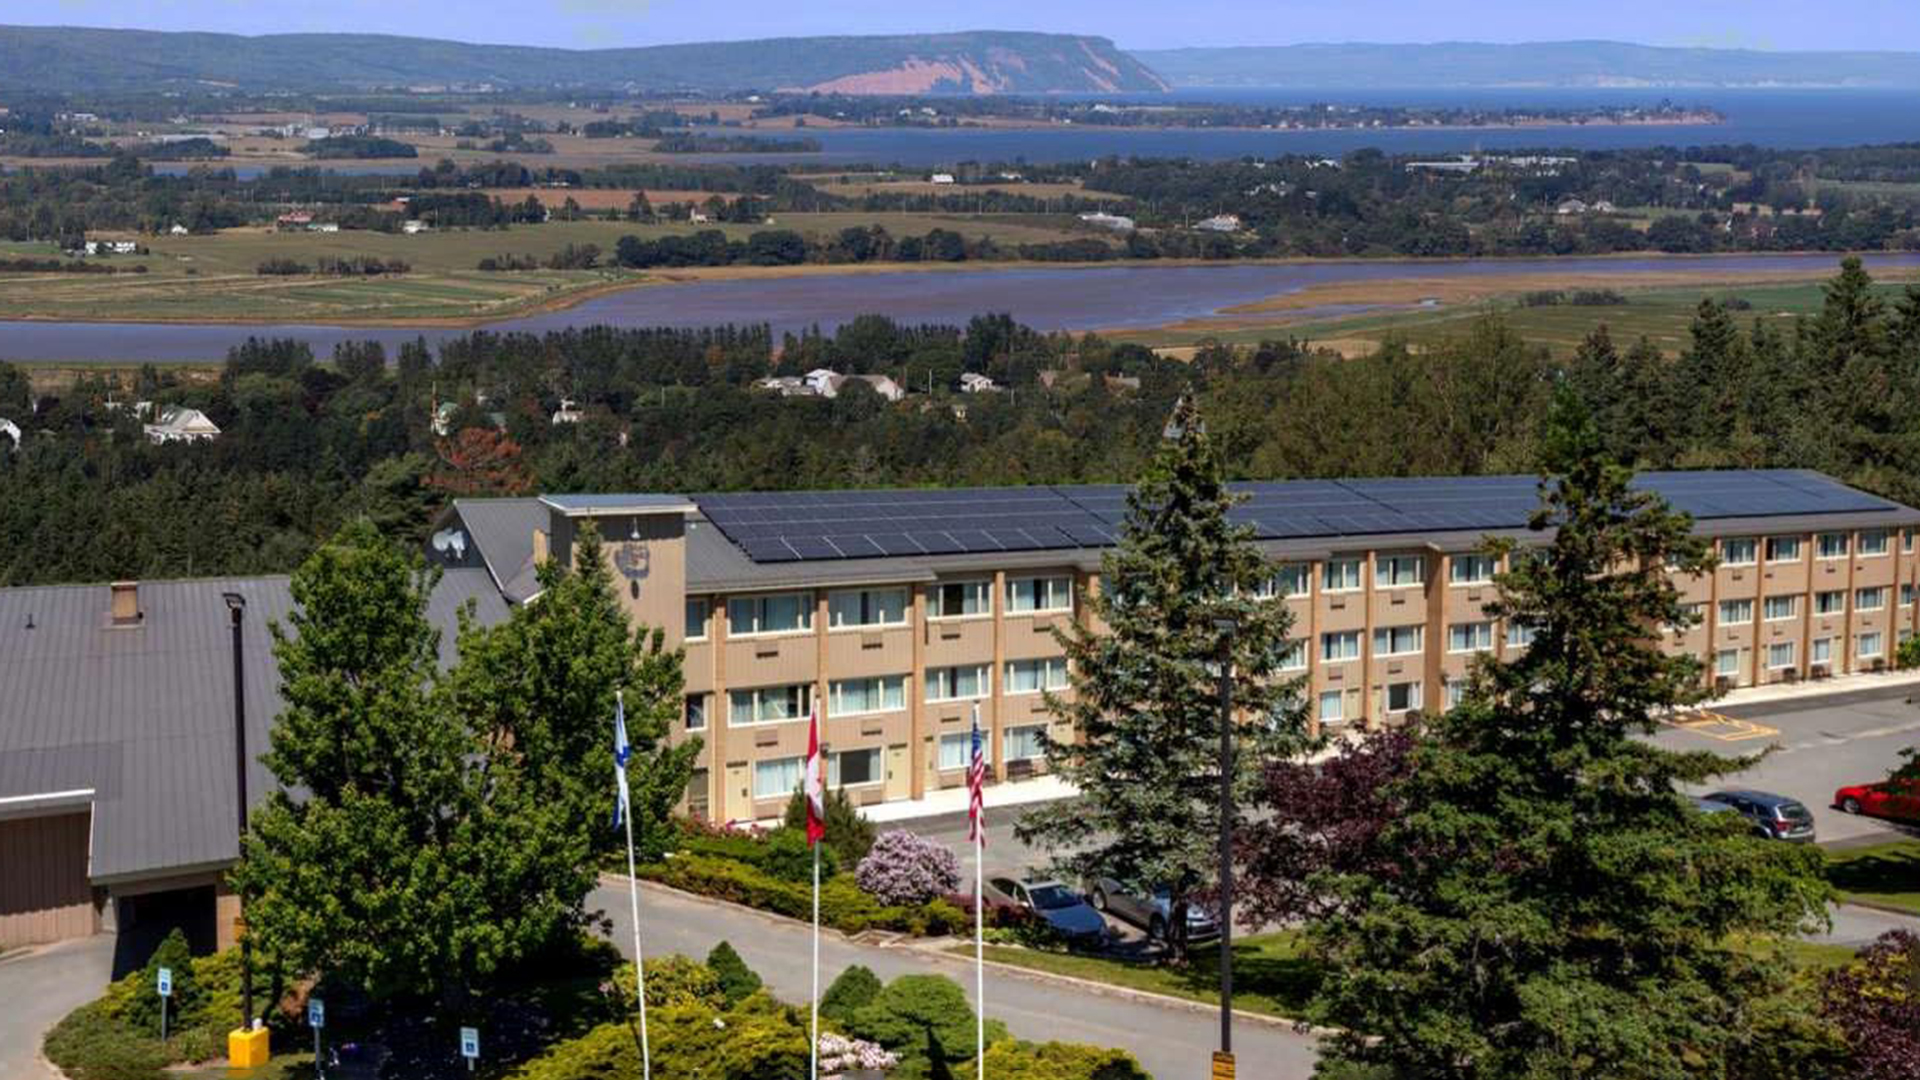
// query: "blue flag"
[[621, 751]]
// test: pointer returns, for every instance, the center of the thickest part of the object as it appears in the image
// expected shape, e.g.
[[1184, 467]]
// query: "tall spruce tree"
[[1547, 906], [1145, 706]]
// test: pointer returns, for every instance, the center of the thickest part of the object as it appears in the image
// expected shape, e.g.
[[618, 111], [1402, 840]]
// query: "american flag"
[[976, 787]]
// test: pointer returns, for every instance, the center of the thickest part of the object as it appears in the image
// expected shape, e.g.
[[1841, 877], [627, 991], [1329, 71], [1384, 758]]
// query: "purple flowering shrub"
[[906, 869]]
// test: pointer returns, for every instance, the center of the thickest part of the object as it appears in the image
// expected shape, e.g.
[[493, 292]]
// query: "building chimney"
[[126, 603]]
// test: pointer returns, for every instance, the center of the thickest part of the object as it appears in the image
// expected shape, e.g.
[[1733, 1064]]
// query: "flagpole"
[[979, 956], [813, 1043], [633, 900]]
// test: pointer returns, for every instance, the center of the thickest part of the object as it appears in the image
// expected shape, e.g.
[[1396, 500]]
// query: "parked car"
[[1149, 909], [1708, 806], [1061, 907], [1887, 799], [1775, 817]]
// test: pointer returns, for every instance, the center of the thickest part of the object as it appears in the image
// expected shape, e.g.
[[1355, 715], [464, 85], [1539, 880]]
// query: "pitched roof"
[[143, 715], [502, 532]]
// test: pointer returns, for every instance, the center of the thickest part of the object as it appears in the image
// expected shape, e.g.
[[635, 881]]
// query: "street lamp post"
[[236, 610], [1227, 627]]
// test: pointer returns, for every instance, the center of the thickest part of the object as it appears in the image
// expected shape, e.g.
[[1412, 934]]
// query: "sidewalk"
[[1840, 684], [954, 800]]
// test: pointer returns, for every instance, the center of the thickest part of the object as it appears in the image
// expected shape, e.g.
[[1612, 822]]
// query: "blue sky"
[[1761, 24]]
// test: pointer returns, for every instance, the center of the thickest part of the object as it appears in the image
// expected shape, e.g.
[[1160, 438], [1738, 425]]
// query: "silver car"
[[1149, 909]]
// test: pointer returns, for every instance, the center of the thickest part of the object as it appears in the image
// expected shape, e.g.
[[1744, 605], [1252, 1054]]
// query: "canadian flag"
[[816, 781]]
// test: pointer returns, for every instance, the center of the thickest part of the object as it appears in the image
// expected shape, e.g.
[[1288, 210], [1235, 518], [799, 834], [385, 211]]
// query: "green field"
[[1270, 975], [1886, 875]]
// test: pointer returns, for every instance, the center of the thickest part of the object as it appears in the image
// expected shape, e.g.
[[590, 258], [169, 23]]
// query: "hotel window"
[[1782, 607], [780, 613], [1290, 580], [1832, 602], [1692, 614], [1906, 594], [852, 768], [697, 609], [1470, 637], [1830, 545], [1399, 571], [1872, 599], [778, 778], [1026, 596], [1471, 569], [1820, 651], [1330, 707], [958, 683], [1869, 646], [1780, 655], [1398, 640], [1033, 676], [1726, 663], [1738, 552], [1455, 691], [956, 751], [769, 704], [1403, 696], [850, 697], [696, 712], [1340, 575], [1336, 647], [1519, 637], [867, 607], [1736, 611], [1783, 549], [1294, 658], [1873, 542], [1022, 743], [1906, 541], [957, 599]]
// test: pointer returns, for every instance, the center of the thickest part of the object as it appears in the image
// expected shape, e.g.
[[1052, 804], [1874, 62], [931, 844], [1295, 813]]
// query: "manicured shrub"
[[1057, 1061], [92, 1044], [141, 1008], [785, 855], [903, 868], [849, 833], [927, 1021], [736, 979], [854, 990]]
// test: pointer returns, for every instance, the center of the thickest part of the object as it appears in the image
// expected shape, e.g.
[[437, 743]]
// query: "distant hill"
[[70, 59], [1553, 63]]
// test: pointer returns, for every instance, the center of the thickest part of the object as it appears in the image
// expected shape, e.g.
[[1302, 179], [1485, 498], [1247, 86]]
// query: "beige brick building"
[[903, 611]]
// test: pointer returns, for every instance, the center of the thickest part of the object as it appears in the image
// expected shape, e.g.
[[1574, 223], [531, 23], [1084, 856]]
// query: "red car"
[[1887, 799]]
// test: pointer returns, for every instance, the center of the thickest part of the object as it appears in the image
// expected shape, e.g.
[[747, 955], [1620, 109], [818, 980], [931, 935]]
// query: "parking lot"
[[1817, 745]]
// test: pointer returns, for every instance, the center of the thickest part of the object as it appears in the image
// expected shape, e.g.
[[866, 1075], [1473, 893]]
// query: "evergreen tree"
[[1547, 905], [737, 980], [1145, 706]]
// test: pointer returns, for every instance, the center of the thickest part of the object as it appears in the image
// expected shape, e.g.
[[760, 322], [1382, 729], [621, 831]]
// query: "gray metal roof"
[[143, 715], [583, 505], [502, 532]]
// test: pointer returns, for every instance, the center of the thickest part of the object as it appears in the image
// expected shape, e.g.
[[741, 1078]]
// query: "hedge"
[[843, 905]]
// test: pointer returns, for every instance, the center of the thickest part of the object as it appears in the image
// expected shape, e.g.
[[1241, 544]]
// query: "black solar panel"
[[808, 525]]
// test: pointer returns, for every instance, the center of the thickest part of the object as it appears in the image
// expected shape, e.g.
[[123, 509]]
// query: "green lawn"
[[1269, 973], [1887, 874]]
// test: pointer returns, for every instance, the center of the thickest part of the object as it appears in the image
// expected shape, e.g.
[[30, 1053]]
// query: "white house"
[[414, 225], [181, 424], [11, 430], [972, 382], [785, 386], [823, 382], [178, 230], [883, 386], [567, 413], [1102, 220], [1221, 223], [112, 247], [1571, 207], [942, 178]]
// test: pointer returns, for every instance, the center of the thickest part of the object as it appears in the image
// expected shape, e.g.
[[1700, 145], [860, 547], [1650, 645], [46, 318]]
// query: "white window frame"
[[1870, 598], [837, 688], [1453, 692], [1391, 636], [1057, 590], [1521, 637], [1294, 657], [1773, 650], [1770, 605], [1821, 543], [1727, 547], [1775, 542], [759, 694], [964, 741], [1820, 651], [1276, 585], [1879, 645], [761, 792], [1414, 690], [1343, 636], [1006, 743], [1480, 635], [877, 755], [982, 588], [934, 682], [1820, 601], [1881, 546], [833, 612], [695, 705], [1047, 665], [1488, 564], [759, 601], [1387, 571], [697, 628], [1743, 604], [1722, 669], [1338, 699], [1349, 582], [1906, 593]]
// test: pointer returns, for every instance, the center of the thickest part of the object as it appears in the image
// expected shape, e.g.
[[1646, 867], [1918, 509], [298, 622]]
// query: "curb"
[[1883, 908]]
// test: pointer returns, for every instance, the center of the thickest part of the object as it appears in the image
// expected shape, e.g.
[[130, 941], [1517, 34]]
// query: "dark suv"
[[1775, 817]]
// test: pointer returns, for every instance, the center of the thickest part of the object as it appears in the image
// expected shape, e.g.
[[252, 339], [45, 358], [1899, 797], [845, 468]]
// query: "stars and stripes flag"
[[816, 781], [976, 786], [621, 752]]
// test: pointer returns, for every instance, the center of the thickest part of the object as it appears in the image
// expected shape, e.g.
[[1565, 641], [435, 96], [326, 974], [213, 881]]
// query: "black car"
[[1775, 817]]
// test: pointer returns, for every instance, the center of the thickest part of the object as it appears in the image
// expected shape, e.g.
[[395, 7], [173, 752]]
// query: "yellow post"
[[247, 1049], [1222, 1066]]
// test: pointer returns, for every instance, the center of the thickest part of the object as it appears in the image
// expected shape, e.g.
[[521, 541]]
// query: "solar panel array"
[[773, 527]]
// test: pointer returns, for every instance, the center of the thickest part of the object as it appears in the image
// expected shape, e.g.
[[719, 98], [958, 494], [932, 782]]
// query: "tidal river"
[[1064, 298]]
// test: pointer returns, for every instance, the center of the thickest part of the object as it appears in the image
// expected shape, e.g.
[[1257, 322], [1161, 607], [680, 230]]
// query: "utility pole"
[[1227, 627], [237, 610]]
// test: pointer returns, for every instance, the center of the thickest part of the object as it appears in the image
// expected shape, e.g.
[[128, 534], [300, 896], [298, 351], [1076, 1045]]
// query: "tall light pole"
[[1227, 627], [237, 610]]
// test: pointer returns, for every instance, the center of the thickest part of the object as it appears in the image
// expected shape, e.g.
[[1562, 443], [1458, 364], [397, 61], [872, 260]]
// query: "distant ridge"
[[1552, 63], [75, 59]]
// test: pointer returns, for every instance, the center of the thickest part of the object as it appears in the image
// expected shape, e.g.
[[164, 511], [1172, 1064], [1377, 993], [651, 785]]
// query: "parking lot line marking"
[[1723, 728]]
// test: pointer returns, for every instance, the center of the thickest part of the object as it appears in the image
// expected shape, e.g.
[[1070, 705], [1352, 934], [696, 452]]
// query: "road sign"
[[166, 982], [1222, 1066], [316, 1013], [469, 1043]]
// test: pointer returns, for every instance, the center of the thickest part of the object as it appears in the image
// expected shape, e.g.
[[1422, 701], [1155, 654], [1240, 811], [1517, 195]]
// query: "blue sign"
[[316, 1013], [166, 982], [469, 1043]]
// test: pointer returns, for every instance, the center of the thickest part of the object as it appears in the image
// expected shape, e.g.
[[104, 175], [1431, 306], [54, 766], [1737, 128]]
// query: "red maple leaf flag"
[[816, 781]]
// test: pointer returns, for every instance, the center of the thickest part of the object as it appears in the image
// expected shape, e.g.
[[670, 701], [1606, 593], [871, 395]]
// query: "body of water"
[[1064, 298]]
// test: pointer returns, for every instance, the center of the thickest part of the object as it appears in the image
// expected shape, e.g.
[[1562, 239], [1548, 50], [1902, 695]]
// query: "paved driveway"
[[37, 988]]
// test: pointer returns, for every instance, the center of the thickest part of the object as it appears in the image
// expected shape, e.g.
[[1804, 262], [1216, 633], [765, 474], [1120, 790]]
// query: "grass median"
[[1885, 875], [1271, 974]]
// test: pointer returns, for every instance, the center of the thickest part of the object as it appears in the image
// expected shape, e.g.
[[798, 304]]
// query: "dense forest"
[[307, 444]]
